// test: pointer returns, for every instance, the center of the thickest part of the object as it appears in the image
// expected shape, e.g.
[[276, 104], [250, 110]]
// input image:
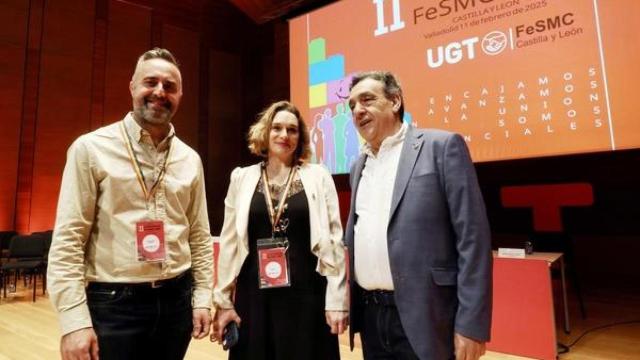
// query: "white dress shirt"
[[373, 204]]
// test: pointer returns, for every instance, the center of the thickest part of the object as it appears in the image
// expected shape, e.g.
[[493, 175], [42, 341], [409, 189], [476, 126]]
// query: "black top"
[[287, 322], [302, 263]]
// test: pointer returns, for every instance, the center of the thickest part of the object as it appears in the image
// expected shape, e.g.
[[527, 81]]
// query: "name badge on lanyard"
[[273, 262], [150, 237], [150, 241], [273, 257]]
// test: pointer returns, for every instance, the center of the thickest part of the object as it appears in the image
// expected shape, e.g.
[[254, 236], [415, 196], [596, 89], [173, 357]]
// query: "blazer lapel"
[[408, 156], [243, 201], [355, 181], [310, 191]]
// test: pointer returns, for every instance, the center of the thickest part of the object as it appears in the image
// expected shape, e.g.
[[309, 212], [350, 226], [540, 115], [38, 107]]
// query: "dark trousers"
[[382, 334], [138, 321]]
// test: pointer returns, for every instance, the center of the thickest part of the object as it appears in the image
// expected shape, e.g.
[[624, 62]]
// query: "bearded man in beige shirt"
[[131, 263]]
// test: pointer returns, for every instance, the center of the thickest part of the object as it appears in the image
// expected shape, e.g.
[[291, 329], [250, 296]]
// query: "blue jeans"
[[138, 321]]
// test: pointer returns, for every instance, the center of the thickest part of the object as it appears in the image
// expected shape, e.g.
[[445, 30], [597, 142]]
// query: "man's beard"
[[154, 117]]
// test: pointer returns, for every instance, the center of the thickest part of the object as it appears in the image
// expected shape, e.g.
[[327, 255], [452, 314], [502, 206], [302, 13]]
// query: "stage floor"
[[30, 330]]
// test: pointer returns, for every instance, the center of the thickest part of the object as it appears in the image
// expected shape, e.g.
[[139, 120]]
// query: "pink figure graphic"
[[316, 139], [328, 148]]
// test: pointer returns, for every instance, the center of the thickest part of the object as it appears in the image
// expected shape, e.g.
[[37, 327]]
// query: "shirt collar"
[[388, 143], [140, 135]]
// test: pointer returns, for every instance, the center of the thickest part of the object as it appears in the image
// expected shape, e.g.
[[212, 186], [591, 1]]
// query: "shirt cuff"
[[222, 302], [75, 318], [202, 298], [339, 304]]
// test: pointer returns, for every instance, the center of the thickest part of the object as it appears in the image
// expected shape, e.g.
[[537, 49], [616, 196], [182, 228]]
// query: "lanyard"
[[275, 217], [148, 193]]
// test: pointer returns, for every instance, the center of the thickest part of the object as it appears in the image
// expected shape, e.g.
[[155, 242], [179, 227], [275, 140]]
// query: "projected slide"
[[516, 78]]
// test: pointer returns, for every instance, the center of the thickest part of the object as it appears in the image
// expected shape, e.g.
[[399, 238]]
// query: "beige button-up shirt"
[[101, 199]]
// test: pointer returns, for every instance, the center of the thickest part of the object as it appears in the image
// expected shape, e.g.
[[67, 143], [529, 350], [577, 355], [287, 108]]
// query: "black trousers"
[[138, 321], [382, 334]]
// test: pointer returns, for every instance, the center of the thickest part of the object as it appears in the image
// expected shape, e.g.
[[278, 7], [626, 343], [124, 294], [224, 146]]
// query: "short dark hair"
[[391, 85], [159, 53], [258, 136]]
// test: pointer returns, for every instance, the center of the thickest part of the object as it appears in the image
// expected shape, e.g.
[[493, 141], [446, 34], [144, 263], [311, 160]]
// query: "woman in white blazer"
[[299, 320]]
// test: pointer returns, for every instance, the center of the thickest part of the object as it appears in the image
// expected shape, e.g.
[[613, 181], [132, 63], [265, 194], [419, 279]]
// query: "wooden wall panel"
[[227, 135], [13, 39], [64, 106], [99, 60], [29, 115], [128, 36], [69, 64], [185, 46], [275, 64]]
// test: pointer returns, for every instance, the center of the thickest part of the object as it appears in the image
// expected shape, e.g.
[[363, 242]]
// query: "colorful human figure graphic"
[[352, 147], [316, 139], [334, 139], [340, 121], [328, 148]]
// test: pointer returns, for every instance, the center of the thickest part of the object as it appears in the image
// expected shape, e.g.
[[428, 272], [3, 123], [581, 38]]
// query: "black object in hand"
[[230, 336]]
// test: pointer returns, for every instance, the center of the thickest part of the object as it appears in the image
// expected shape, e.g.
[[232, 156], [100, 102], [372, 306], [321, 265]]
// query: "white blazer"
[[324, 223]]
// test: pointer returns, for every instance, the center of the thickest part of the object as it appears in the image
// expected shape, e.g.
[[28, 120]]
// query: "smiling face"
[[374, 115], [156, 90], [284, 136]]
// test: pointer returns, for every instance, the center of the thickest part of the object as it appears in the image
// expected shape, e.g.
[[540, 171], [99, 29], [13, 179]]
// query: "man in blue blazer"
[[418, 235]]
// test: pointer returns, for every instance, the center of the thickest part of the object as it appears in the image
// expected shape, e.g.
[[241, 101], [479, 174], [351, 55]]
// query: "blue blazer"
[[439, 245]]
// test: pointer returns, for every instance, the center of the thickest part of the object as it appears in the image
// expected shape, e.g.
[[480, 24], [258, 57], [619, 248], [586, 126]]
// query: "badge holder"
[[150, 242], [273, 261], [273, 257]]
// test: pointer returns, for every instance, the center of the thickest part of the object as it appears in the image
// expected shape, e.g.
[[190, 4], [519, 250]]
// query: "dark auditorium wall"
[[65, 67], [602, 239]]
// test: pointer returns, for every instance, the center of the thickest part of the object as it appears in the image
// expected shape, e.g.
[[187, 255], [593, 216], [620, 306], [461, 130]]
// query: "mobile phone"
[[230, 336]]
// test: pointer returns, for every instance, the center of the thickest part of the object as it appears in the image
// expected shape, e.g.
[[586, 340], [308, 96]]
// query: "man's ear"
[[397, 102]]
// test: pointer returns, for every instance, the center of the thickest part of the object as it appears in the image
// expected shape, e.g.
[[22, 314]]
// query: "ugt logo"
[[492, 44]]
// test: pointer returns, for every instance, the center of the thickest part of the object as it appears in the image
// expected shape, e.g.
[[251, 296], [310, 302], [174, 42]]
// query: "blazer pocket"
[[428, 182], [423, 172], [444, 277]]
